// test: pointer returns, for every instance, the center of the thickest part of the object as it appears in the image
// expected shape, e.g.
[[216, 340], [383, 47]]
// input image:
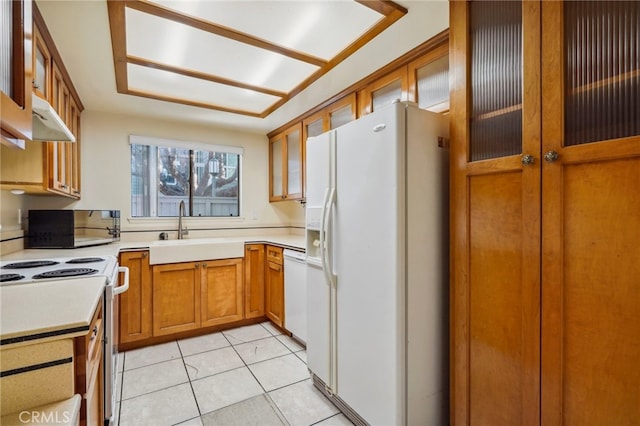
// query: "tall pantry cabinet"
[[545, 297]]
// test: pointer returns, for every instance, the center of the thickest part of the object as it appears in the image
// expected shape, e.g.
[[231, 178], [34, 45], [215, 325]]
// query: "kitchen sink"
[[188, 250]]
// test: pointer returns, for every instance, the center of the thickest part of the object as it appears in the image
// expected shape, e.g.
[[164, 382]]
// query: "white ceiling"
[[80, 29]]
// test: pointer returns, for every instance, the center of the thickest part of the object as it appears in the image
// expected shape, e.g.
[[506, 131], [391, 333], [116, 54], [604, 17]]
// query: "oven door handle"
[[125, 286]]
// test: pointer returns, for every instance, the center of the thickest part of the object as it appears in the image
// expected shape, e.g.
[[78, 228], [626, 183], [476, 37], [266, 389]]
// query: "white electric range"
[[25, 272], [14, 272]]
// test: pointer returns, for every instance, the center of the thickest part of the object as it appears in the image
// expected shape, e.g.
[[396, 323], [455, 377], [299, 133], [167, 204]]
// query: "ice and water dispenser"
[[313, 222]]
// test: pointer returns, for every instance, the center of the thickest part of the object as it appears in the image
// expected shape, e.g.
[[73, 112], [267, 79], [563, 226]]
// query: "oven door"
[[112, 290]]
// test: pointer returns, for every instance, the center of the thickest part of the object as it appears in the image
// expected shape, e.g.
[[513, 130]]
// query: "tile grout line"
[[193, 392], [270, 401]]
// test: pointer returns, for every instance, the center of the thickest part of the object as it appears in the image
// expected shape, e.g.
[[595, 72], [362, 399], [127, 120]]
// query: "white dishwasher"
[[295, 294]]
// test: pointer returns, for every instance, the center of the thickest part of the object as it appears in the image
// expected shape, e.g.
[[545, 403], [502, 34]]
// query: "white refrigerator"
[[377, 266]]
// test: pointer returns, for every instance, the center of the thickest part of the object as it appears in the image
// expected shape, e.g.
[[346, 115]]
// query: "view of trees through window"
[[207, 181]]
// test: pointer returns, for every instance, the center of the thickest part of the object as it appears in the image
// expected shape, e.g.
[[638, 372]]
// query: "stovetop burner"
[[85, 260], [10, 277], [30, 264], [61, 273]]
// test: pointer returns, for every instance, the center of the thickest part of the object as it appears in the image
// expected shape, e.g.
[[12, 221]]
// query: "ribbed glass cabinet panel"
[[340, 116], [602, 72], [433, 85], [496, 79], [294, 163], [6, 48]]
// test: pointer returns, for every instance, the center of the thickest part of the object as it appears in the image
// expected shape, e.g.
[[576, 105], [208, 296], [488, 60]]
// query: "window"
[[166, 172]]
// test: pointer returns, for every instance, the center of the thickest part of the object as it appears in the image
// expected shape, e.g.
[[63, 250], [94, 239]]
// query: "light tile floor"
[[251, 375]]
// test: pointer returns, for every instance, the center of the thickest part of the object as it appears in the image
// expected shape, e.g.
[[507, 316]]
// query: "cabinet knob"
[[527, 159], [204, 265], [145, 254], [95, 332], [551, 156]]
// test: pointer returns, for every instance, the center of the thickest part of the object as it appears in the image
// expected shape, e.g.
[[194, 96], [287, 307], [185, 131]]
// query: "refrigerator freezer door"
[[318, 169], [369, 251], [318, 356]]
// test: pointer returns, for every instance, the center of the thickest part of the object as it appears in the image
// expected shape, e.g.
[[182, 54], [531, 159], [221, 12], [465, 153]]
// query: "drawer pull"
[[95, 332]]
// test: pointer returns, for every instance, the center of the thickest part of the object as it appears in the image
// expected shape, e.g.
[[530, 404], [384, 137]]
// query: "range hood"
[[47, 124]]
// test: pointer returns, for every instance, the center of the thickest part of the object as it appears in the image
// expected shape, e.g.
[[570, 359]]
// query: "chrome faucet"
[[181, 212]]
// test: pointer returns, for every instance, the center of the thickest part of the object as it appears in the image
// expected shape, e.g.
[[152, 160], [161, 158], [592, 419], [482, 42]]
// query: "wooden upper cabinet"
[[47, 167], [73, 150], [42, 69], [16, 73], [545, 212], [384, 91], [286, 165], [429, 80]]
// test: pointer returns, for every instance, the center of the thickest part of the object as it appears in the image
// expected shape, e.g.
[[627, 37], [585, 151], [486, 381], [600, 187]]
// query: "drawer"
[[94, 338], [274, 254], [89, 347]]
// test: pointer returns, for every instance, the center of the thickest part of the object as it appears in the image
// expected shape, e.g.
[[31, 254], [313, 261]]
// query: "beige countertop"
[[48, 310], [61, 309], [295, 242]]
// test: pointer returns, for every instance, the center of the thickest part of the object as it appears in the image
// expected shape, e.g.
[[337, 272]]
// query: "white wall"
[[106, 177]]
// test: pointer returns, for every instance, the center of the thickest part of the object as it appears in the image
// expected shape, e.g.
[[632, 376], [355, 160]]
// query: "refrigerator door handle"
[[326, 241], [322, 226]]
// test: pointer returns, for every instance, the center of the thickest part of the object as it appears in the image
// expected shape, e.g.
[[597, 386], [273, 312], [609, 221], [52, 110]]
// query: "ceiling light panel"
[[319, 28], [182, 46], [179, 87]]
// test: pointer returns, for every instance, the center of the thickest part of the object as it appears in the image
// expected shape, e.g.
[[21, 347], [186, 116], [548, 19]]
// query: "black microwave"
[[72, 228]]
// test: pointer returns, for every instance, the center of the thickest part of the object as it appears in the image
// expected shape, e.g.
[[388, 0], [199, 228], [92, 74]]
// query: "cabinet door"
[[221, 295], [276, 169], [591, 213], [384, 91], [89, 370], [135, 303], [254, 280], [41, 66], [73, 150], [295, 165], [16, 72], [275, 293], [429, 80], [342, 111], [286, 165], [176, 298], [95, 397], [495, 201]]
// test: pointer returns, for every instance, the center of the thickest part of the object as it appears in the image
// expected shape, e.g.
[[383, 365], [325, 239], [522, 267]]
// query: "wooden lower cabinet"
[[221, 291], [254, 280], [190, 295], [89, 370], [136, 303], [176, 297], [274, 305]]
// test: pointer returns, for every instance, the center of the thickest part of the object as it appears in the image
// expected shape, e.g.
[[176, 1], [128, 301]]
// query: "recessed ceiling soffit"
[[242, 57]]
